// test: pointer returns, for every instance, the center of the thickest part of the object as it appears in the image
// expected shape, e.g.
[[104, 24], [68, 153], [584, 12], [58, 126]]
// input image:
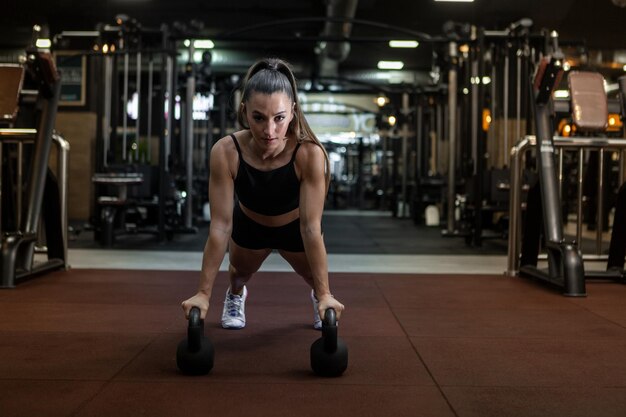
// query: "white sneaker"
[[234, 312], [317, 321]]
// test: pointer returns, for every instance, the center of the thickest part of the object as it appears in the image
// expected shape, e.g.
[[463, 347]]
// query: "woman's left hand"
[[328, 301]]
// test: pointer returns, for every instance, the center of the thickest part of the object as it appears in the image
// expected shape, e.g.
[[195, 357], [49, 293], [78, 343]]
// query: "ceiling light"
[[200, 43], [561, 94], [203, 44], [457, 1], [390, 65], [43, 43], [403, 44]]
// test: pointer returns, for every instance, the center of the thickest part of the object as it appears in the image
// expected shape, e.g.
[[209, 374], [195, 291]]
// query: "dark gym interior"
[[475, 221]]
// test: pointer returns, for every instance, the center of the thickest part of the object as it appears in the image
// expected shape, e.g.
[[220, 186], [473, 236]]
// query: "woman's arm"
[[221, 193], [312, 197]]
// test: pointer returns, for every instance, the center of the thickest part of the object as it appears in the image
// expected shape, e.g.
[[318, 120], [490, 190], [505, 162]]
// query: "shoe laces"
[[233, 305]]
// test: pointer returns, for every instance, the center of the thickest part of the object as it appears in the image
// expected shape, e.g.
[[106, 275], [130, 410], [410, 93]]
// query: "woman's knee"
[[241, 271], [299, 263], [245, 262]]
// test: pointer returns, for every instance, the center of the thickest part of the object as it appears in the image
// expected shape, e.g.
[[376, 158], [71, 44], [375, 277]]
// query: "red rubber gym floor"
[[103, 343]]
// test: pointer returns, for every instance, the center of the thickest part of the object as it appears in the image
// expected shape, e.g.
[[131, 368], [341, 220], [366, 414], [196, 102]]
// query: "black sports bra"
[[270, 193]]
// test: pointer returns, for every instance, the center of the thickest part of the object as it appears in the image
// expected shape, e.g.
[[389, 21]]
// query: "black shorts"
[[251, 235]]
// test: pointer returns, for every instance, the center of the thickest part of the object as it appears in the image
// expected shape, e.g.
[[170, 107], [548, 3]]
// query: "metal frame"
[[517, 163]]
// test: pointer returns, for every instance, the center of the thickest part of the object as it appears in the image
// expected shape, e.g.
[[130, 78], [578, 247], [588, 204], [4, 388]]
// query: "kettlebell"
[[194, 355], [329, 354]]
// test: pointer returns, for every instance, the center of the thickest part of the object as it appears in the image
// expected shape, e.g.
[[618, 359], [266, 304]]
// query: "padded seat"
[[11, 79], [589, 104]]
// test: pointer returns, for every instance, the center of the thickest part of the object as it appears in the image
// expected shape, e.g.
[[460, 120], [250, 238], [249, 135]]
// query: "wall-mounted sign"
[[73, 69]]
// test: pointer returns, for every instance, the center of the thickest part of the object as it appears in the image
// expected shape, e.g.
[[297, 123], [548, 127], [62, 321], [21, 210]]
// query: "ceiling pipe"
[[330, 54]]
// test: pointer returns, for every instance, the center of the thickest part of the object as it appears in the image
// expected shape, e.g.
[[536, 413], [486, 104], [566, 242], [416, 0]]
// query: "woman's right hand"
[[199, 300]]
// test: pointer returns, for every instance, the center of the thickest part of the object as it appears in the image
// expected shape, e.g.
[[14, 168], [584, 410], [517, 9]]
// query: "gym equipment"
[[589, 100], [30, 95], [141, 111], [194, 355], [488, 109], [565, 265], [329, 354]]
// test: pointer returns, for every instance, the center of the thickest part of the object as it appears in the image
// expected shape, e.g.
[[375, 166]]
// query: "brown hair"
[[273, 75]]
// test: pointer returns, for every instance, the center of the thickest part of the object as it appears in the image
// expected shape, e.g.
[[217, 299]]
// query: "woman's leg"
[[300, 265], [243, 263]]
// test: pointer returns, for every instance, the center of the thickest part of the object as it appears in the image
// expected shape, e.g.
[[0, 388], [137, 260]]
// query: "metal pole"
[[124, 107], [518, 97], [150, 92], [474, 106], [419, 134], [170, 94], [385, 173], [494, 101], [622, 171], [138, 121], [20, 181], [505, 99], [560, 151], [191, 92], [40, 161], [405, 141], [435, 163], [515, 228], [600, 209], [452, 91], [553, 226], [475, 79], [63, 149], [106, 122], [579, 205]]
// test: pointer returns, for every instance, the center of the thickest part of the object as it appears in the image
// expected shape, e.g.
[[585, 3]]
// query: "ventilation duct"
[[330, 54]]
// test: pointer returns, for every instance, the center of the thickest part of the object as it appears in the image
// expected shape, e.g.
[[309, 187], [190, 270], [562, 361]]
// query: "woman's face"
[[269, 116]]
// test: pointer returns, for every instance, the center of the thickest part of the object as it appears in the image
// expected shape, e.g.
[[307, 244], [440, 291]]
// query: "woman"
[[279, 172]]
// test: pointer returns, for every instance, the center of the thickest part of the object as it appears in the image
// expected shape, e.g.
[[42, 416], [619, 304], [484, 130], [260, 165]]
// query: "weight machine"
[[588, 109], [29, 95]]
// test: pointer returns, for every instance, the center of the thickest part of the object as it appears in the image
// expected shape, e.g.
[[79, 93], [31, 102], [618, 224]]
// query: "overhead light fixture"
[[200, 43], [203, 44], [561, 94], [390, 65], [43, 43], [403, 44], [456, 1]]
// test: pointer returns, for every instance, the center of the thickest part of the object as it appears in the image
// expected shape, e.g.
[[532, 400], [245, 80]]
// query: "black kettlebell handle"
[[195, 331], [329, 330]]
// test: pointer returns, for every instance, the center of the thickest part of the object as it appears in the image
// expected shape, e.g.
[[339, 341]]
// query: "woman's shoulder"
[[227, 144], [310, 149], [310, 156], [224, 153]]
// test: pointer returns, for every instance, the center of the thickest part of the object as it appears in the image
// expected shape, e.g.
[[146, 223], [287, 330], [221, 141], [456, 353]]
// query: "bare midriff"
[[271, 221]]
